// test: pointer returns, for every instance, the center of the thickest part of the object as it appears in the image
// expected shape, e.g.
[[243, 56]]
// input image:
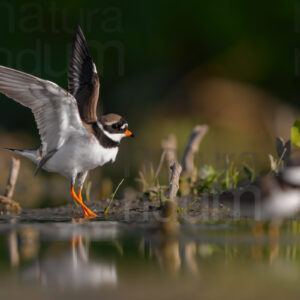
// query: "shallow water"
[[64, 258]]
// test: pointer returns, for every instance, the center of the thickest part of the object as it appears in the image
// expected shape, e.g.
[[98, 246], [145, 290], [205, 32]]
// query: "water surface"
[[64, 258]]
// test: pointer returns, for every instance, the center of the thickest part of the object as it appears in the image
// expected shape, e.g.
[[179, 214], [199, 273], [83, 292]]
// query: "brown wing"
[[83, 80]]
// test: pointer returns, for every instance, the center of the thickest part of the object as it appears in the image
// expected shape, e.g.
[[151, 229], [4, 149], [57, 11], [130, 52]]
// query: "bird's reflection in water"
[[65, 265], [91, 255], [72, 268]]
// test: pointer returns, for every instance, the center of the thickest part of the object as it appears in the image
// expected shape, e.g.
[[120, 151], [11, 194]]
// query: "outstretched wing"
[[83, 79], [55, 110]]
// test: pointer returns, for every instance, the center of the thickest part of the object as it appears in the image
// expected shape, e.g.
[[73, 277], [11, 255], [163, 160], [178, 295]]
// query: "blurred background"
[[232, 65]]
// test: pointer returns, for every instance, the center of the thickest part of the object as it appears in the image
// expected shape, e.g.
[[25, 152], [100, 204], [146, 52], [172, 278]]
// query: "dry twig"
[[9, 205], [12, 177], [192, 148], [169, 146], [174, 181], [169, 211]]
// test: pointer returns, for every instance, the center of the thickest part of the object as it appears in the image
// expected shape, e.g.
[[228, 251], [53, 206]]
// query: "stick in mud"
[[12, 177], [174, 181], [169, 146], [192, 148], [9, 205], [169, 211]]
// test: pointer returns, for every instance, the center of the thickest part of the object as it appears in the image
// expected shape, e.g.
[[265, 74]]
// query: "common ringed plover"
[[73, 139]]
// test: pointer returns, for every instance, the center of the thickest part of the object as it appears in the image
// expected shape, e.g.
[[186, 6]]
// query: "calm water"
[[109, 260]]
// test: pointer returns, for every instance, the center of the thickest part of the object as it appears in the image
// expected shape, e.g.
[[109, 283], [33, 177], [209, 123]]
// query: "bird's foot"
[[87, 212]]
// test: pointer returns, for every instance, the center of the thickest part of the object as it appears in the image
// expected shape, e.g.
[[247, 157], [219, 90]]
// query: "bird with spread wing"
[[73, 139]]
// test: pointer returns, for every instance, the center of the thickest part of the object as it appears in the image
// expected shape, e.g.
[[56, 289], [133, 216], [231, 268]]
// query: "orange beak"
[[129, 133]]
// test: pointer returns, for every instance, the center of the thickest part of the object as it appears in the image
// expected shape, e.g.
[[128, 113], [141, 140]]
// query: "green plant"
[[295, 133], [249, 172], [150, 182], [112, 197], [208, 179], [212, 181], [87, 188], [231, 177], [283, 150]]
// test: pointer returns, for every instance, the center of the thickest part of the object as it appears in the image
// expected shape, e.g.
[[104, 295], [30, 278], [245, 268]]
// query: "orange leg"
[[87, 212]]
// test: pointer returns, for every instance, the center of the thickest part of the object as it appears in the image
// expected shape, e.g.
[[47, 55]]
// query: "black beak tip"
[[132, 135]]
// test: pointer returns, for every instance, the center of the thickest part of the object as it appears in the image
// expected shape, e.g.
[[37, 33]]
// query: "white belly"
[[80, 155]]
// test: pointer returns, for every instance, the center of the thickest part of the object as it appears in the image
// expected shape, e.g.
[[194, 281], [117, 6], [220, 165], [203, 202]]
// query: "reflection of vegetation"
[[180, 254]]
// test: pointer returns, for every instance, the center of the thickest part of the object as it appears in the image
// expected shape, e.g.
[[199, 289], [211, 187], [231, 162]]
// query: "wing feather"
[[55, 110], [83, 80]]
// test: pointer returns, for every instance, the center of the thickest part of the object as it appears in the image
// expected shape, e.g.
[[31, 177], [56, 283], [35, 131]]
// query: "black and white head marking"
[[113, 126]]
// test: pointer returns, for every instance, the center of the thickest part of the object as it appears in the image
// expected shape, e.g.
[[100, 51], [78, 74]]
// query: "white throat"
[[116, 137]]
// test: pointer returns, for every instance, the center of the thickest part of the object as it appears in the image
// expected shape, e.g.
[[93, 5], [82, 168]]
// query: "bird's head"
[[114, 126]]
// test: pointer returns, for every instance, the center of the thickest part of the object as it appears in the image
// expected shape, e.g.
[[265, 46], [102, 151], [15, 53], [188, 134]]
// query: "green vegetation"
[[112, 197], [206, 179], [295, 133], [203, 179]]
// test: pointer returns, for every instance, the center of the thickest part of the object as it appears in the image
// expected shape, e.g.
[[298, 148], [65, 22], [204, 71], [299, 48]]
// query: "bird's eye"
[[116, 126]]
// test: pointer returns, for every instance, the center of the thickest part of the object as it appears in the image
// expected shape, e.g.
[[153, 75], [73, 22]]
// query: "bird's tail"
[[30, 154]]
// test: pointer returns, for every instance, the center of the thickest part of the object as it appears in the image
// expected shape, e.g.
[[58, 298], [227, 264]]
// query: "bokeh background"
[[165, 66]]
